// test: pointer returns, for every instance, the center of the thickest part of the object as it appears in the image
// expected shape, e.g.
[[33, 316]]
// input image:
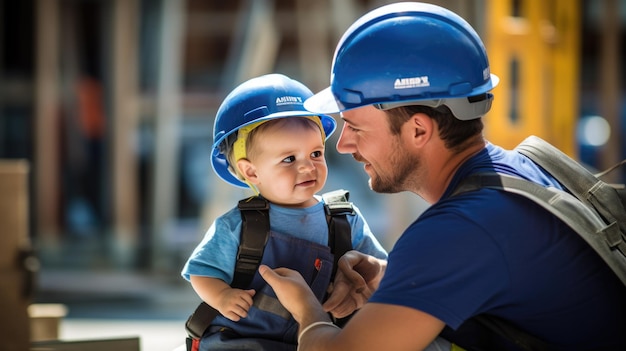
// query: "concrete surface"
[[154, 335], [120, 304]]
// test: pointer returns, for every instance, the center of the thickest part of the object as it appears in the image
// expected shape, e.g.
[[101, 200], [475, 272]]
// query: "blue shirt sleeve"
[[363, 239], [215, 254]]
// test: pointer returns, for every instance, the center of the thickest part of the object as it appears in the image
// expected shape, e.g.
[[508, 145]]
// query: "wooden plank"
[[46, 157], [124, 123], [167, 128], [610, 85], [14, 326], [121, 344], [45, 320]]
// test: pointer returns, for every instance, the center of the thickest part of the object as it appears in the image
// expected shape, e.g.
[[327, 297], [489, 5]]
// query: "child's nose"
[[306, 166]]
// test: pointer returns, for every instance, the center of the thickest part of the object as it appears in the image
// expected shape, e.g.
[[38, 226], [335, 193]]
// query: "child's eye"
[[316, 154], [289, 159]]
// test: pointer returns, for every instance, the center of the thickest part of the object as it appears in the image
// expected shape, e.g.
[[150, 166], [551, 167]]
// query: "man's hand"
[[294, 294], [358, 276]]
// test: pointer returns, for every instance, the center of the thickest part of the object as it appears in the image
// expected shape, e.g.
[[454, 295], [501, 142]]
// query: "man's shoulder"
[[486, 213]]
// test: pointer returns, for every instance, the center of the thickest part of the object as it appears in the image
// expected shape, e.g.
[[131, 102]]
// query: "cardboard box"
[[14, 322], [45, 320]]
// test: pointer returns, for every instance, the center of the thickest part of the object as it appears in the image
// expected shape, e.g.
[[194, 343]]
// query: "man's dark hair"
[[454, 132]]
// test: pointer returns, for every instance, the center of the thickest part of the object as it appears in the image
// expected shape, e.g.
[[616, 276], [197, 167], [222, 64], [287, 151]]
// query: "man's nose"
[[345, 144]]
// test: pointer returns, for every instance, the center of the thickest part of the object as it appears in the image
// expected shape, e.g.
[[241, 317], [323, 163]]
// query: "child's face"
[[288, 164]]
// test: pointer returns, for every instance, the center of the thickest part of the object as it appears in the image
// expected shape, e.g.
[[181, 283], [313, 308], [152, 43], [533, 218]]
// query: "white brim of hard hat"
[[323, 102]]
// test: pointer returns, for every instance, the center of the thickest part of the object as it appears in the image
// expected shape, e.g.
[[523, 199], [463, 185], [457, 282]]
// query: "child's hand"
[[235, 303]]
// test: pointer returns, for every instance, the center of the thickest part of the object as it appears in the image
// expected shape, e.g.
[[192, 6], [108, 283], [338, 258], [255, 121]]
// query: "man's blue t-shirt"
[[493, 252]]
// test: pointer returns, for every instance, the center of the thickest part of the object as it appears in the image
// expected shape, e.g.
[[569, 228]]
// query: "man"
[[412, 82]]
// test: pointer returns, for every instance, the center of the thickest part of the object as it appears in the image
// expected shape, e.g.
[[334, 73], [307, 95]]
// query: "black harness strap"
[[337, 209], [255, 228], [199, 321]]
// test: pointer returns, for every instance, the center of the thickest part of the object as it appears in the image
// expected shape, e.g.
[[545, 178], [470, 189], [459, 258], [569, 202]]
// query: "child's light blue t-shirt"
[[216, 254]]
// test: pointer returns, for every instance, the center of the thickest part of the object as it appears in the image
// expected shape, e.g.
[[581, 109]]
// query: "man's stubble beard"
[[399, 177]]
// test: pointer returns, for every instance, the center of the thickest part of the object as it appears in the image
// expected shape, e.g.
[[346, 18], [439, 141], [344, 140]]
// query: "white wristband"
[[313, 325]]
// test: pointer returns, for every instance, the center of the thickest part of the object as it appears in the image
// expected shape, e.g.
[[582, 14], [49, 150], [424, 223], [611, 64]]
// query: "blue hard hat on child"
[[259, 99], [409, 53]]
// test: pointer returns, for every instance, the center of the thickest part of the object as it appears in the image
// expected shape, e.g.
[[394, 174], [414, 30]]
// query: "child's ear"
[[247, 169]]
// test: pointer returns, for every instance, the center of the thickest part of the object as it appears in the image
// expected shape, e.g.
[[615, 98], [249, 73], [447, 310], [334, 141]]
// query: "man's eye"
[[289, 159]]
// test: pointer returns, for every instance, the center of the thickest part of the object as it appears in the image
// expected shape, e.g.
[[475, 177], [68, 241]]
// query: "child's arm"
[[231, 303]]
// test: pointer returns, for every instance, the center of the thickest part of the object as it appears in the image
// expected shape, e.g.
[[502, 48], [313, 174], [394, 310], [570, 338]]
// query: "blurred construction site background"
[[108, 105]]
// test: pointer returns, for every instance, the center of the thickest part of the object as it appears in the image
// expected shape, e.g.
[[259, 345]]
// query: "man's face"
[[366, 135]]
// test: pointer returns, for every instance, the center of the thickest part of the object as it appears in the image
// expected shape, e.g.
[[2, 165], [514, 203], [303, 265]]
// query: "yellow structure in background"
[[533, 46]]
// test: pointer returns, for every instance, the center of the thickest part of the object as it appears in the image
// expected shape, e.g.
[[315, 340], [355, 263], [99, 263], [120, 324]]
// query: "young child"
[[265, 139]]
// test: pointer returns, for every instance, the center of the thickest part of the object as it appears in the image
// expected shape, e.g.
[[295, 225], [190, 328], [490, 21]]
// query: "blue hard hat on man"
[[378, 62]]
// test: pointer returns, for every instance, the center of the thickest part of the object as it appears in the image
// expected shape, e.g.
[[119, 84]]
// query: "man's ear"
[[420, 128], [247, 169]]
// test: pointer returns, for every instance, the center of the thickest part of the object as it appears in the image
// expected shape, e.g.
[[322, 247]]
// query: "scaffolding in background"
[[107, 73]]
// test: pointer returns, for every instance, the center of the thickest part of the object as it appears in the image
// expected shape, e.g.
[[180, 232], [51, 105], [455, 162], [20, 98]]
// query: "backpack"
[[254, 233], [593, 208]]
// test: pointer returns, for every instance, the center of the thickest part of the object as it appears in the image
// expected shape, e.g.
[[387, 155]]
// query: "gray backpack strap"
[[578, 180], [603, 238], [595, 211]]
